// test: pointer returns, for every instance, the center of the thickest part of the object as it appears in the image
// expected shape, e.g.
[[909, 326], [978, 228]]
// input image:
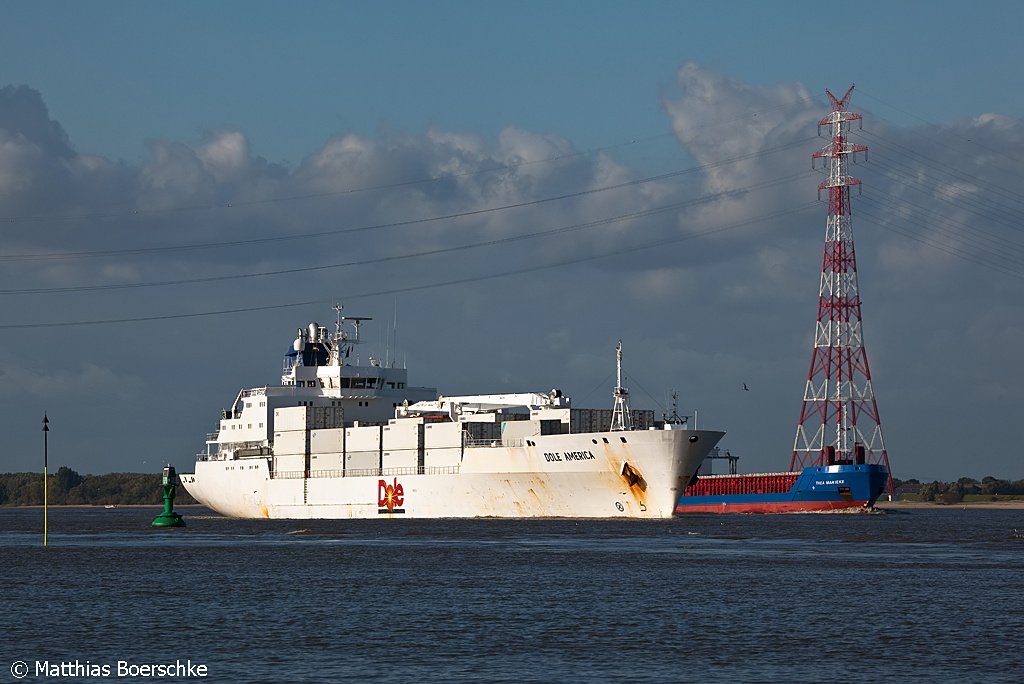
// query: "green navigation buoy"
[[169, 518]]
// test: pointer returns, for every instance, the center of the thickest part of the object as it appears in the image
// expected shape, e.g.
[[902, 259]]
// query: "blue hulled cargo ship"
[[815, 488]]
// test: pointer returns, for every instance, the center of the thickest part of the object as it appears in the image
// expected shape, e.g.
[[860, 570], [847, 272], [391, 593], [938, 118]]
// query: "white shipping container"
[[362, 460], [290, 463], [363, 438], [442, 458], [327, 441], [290, 442], [333, 461], [559, 414], [402, 435], [442, 435], [405, 458], [292, 418]]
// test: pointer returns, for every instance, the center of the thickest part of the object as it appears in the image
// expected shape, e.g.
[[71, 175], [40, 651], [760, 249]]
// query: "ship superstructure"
[[323, 372]]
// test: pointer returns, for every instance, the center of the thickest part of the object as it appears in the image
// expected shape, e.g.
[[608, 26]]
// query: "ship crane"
[[488, 403]]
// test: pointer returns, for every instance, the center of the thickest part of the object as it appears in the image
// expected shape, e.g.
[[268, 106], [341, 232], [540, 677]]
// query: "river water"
[[925, 595]]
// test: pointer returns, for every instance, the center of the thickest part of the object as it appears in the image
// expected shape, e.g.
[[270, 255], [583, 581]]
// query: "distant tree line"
[[66, 487], [954, 492]]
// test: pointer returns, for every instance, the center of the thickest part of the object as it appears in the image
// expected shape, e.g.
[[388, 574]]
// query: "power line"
[[408, 222], [433, 252], [425, 286], [943, 224], [886, 223], [952, 172], [1001, 152]]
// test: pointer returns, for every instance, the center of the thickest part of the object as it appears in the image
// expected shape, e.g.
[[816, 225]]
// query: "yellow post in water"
[[46, 430]]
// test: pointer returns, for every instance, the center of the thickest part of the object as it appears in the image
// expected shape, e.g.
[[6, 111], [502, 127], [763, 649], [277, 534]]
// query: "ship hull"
[[815, 489], [635, 474]]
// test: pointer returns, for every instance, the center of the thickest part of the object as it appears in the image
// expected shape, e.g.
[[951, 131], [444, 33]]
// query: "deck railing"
[[494, 443], [365, 472]]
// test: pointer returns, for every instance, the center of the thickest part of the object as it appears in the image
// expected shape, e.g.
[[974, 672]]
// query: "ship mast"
[[675, 418], [344, 341], [622, 418]]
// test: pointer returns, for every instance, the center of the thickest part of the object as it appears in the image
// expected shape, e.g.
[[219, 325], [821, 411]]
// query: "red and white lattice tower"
[[839, 420]]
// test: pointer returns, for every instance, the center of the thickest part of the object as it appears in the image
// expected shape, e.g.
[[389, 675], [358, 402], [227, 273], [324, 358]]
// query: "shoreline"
[[159, 505], [903, 505]]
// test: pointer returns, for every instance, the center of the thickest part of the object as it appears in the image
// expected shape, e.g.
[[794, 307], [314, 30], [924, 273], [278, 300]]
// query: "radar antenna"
[[343, 339]]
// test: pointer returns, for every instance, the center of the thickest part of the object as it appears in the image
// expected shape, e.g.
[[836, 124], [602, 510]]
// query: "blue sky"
[[293, 75], [146, 125]]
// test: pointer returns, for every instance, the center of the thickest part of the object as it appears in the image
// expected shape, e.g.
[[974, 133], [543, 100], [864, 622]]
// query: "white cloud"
[[225, 155], [17, 159], [718, 118]]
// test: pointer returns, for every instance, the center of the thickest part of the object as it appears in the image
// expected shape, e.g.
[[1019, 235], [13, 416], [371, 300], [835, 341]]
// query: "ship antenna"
[[675, 418], [355, 339], [337, 351], [622, 418], [337, 321], [394, 335]]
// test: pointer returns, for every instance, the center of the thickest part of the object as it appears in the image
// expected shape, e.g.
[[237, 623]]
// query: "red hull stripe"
[[770, 507]]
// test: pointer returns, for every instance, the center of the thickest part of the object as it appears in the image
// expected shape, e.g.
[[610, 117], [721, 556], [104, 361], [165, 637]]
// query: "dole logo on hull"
[[390, 497]]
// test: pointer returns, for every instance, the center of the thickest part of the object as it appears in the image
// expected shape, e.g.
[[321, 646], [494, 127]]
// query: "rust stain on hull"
[[633, 477], [636, 487]]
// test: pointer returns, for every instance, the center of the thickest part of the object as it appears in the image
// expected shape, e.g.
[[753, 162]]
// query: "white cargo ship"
[[338, 439]]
